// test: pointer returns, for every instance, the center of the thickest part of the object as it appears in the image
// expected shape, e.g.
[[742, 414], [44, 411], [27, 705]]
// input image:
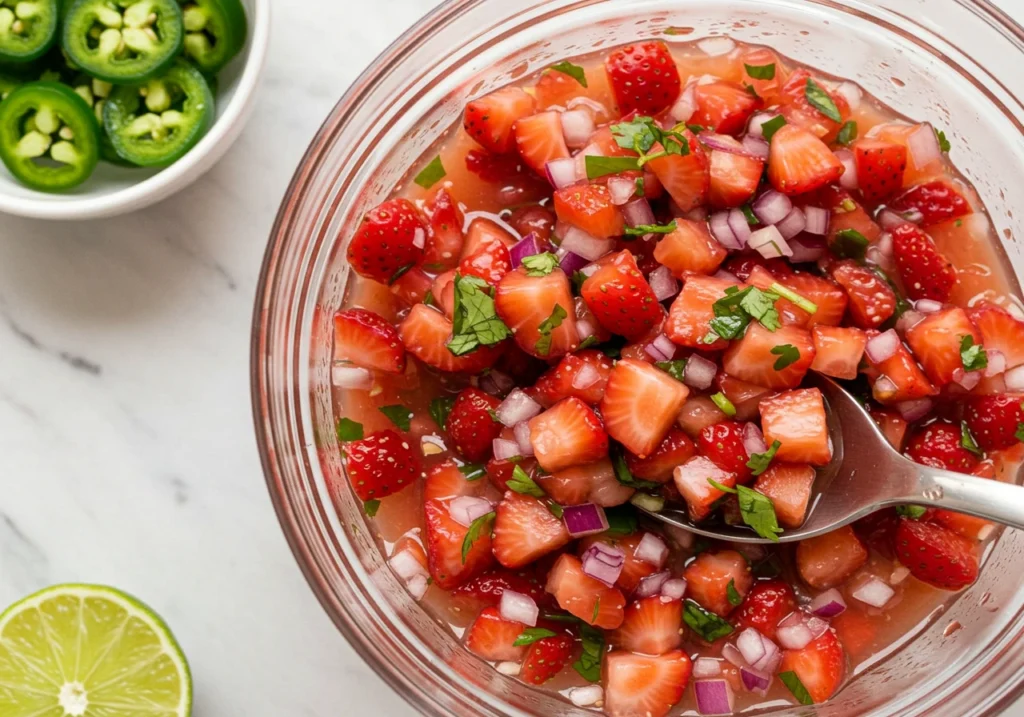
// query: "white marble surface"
[[126, 445]]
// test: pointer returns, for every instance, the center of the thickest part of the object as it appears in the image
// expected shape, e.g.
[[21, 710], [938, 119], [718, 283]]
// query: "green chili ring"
[[48, 136], [7, 85], [215, 32], [123, 42], [155, 124], [28, 29]]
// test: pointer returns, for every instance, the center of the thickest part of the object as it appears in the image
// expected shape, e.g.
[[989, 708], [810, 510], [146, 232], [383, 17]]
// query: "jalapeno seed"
[[215, 32]]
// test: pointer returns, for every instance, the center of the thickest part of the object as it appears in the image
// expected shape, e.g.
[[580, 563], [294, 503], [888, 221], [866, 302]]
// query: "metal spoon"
[[867, 474]]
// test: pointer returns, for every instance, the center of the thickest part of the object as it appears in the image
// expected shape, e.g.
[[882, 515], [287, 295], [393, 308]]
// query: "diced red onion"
[[518, 407], [650, 585], [769, 243], [585, 519], [697, 214], [570, 262], [928, 306], [996, 362], [817, 626], [769, 664], [967, 380], [504, 449], [753, 439], [889, 220], [674, 589], [589, 247], [756, 147], [518, 607], [731, 653], [699, 372], [665, 346], [604, 563], [465, 509], [685, 106], [654, 351], [793, 224], [577, 128], [722, 231], [586, 696], [883, 346], [727, 275], [417, 586], [885, 245], [852, 93], [848, 179], [1014, 379], [817, 220], [924, 146], [874, 593], [497, 383], [751, 551], [772, 207], [406, 566], [586, 377], [419, 238], [594, 106], [638, 212], [527, 246], [914, 410], [562, 172], [806, 249], [755, 680], [714, 697], [828, 604], [651, 550], [739, 225], [908, 320], [621, 190], [750, 645], [351, 377], [754, 127], [794, 637], [722, 143], [884, 387], [663, 284], [704, 667], [585, 329], [715, 46], [522, 433]]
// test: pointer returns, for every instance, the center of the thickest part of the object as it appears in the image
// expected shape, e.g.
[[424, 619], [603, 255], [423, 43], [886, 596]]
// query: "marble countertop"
[[125, 426]]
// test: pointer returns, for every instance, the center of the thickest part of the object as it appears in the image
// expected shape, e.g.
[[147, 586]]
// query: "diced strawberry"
[[488, 587], [583, 596], [676, 449], [525, 530], [621, 299], [482, 233], [724, 107], [389, 239], [892, 425], [539, 140], [789, 487], [903, 372], [568, 434], [708, 578], [995, 420], [751, 358], [825, 561], [426, 333], [644, 685], [851, 215], [762, 57], [968, 526], [685, 177], [412, 286], [582, 484], [734, 178], [939, 445], [651, 626], [471, 426], [368, 340], [444, 542], [531, 306], [445, 480], [546, 658], [689, 319], [493, 638], [723, 444], [880, 167], [444, 231], [936, 555], [381, 464], [856, 632], [765, 606], [935, 341], [878, 531], [799, 162], [838, 350], [589, 207], [819, 666], [497, 168], [690, 249], [443, 291], [1000, 331], [633, 569], [582, 375], [936, 202], [500, 472], [489, 262], [926, 273], [796, 419], [489, 119], [640, 405], [533, 219], [826, 295], [742, 265], [800, 112], [744, 396], [691, 480], [643, 77], [872, 301]]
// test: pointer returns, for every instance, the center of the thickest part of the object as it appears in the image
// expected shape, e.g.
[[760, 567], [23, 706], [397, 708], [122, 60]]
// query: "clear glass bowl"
[[971, 84]]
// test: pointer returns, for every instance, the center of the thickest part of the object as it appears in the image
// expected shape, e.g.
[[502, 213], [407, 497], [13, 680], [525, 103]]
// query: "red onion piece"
[[665, 346], [727, 275], [884, 244], [650, 585], [594, 106], [1014, 379], [714, 697], [674, 589], [570, 262], [828, 604], [739, 225], [504, 449], [722, 231], [465, 509], [769, 243], [753, 552], [750, 645], [497, 383], [755, 680], [794, 637], [654, 351], [731, 653], [604, 563], [663, 284], [996, 362], [586, 377], [700, 372], [848, 180], [585, 329], [772, 207], [817, 220], [924, 146], [406, 566], [756, 147], [967, 380], [889, 220], [704, 667], [793, 224], [817, 626], [685, 106], [518, 407], [621, 190], [522, 432], [909, 319], [527, 246], [651, 550], [585, 519], [731, 145], [518, 608], [589, 247], [916, 409], [562, 172], [351, 377], [638, 212], [772, 658], [883, 346], [874, 593], [928, 306], [807, 249], [577, 128], [753, 439]]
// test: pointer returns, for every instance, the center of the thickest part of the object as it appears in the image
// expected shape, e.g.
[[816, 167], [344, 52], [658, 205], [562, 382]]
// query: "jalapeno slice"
[[95, 93], [28, 28], [48, 136], [7, 84], [123, 41], [157, 123], [215, 32]]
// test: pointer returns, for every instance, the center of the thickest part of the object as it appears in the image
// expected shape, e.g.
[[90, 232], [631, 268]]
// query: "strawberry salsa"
[[605, 292]]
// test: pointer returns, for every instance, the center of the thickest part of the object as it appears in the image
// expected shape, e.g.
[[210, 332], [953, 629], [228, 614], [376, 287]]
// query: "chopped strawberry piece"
[[497, 168], [643, 77], [489, 262], [539, 140], [762, 57], [531, 306], [819, 666], [742, 265], [939, 445], [796, 419], [568, 434], [751, 358], [724, 107], [828, 560], [633, 569], [872, 301], [412, 286], [443, 291], [690, 249], [489, 119], [878, 531], [640, 405], [533, 219], [789, 487], [936, 202], [995, 420], [410, 544], [856, 632], [1000, 331], [685, 177], [902, 372], [733, 178], [838, 350], [589, 207], [381, 464], [589, 483], [482, 233], [444, 231], [799, 162], [389, 239], [644, 685], [926, 273], [493, 638], [471, 426], [968, 526], [745, 396], [426, 333], [651, 626], [582, 375], [445, 540], [936, 555], [525, 530], [445, 480], [880, 167], [708, 578], [368, 340], [891, 424], [800, 112], [689, 319], [546, 658], [676, 449], [723, 444], [826, 295], [691, 480], [935, 341], [488, 587], [765, 606], [583, 596], [621, 299], [844, 219]]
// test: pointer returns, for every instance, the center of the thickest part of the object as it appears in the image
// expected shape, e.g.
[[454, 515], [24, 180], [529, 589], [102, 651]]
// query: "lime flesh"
[[89, 651]]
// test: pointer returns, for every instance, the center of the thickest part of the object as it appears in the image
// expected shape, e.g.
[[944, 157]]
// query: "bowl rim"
[[186, 170]]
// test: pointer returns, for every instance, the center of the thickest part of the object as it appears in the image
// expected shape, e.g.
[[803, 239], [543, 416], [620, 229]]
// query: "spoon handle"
[[989, 499]]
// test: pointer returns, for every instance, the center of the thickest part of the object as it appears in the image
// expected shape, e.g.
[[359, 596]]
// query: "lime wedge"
[[89, 651]]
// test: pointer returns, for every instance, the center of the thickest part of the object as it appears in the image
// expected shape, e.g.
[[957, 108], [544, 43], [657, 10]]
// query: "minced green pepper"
[[156, 123], [28, 28], [215, 32], [48, 136], [123, 41]]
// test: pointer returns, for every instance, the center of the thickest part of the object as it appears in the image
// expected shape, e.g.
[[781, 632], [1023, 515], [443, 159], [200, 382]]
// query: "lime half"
[[89, 651]]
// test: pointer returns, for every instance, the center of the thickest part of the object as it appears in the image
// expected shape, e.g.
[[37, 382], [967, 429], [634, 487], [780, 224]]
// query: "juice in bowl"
[[604, 286]]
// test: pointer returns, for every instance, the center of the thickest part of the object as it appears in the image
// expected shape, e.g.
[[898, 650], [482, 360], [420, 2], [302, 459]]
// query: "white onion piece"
[[874, 593], [1014, 379], [928, 306], [794, 637], [852, 93], [663, 284], [650, 585], [817, 626], [518, 608], [885, 245], [772, 207], [522, 433], [699, 372], [848, 179], [704, 667], [793, 224], [828, 604], [817, 220], [674, 589], [351, 377], [685, 106], [913, 410], [594, 106], [899, 574], [585, 329], [585, 377], [586, 696], [889, 220], [924, 146], [967, 380], [733, 655], [466, 508], [882, 347], [512, 669], [755, 127], [417, 586], [908, 320], [715, 46], [996, 362], [406, 566], [562, 173], [750, 645], [516, 408], [621, 190], [589, 247], [753, 439], [638, 212], [769, 243], [651, 550], [504, 449], [577, 128], [739, 225], [604, 562]]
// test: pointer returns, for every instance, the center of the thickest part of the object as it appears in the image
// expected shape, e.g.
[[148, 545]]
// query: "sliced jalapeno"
[[95, 93], [123, 41], [48, 136], [7, 85], [157, 123], [28, 28], [214, 32]]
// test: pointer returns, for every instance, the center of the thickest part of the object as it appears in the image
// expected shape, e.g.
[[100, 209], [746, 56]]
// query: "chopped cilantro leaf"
[[759, 462], [521, 482], [735, 310], [787, 353], [589, 664], [349, 430], [972, 355], [944, 145], [675, 369], [399, 415], [431, 174], [642, 133], [761, 72], [849, 244], [371, 507], [473, 534], [794, 685], [601, 166], [472, 471], [574, 71], [822, 100], [1019, 435], [724, 404], [696, 128], [475, 321], [428, 299], [624, 475], [706, 624], [578, 278], [847, 133], [967, 439], [440, 408], [914, 512], [531, 635], [641, 188], [622, 520], [555, 509], [540, 264], [757, 509], [733, 594], [642, 229], [587, 343], [769, 128], [549, 324]]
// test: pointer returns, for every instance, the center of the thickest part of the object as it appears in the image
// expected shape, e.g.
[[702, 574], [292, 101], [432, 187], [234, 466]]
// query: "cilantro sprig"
[[796, 687], [643, 229], [788, 354], [475, 322], [735, 311], [759, 462], [430, 175], [574, 71], [760, 72], [540, 264], [821, 100], [643, 133], [398, 415], [972, 355], [757, 510], [967, 440], [531, 635]]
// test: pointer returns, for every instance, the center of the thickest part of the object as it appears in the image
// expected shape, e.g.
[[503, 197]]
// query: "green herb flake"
[[521, 482], [706, 624], [696, 128], [758, 512], [578, 279], [574, 71], [760, 72], [643, 133], [587, 343], [540, 264], [402, 271], [398, 415], [767, 568], [555, 509], [597, 610], [675, 369], [733, 594], [476, 529], [849, 244], [641, 188], [349, 430], [794, 685], [1019, 435], [589, 664], [440, 408], [644, 229], [370, 507], [622, 520], [726, 406], [475, 321], [822, 100], [967, 439], [531, 635], [428, 299], [972, 355], [944, 145], [759, 462], [734, 311], [748, 212], [914, 512], [431, 174], [769, 128], [472, 471], [788, 354], [786, 293], [543, 345], [602, 166], [847, 133], [624, 475]]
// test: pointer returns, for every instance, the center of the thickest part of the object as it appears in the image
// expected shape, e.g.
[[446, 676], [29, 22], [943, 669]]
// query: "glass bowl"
[[955, 63]]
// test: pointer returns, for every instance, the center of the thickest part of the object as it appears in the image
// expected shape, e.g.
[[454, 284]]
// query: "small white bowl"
[[115, 190]]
